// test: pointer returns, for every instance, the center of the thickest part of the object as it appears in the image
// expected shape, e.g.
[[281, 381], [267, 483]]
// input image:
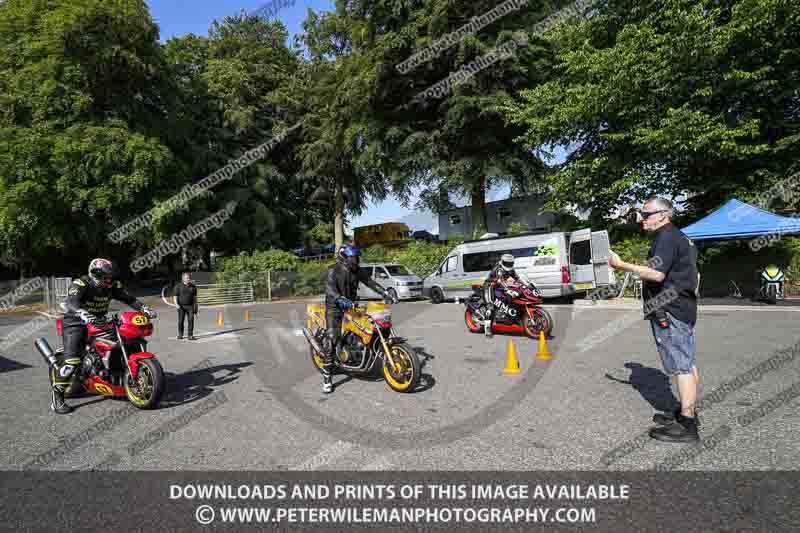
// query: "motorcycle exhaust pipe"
[[46, 351], [312, 341]]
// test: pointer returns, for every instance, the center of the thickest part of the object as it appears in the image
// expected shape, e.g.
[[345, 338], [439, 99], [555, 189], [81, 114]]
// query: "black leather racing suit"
[[497, 280], [341, 282], [84, 295]]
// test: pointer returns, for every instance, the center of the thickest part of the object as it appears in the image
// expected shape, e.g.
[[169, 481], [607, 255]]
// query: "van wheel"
[[392, 294], [437, 296]]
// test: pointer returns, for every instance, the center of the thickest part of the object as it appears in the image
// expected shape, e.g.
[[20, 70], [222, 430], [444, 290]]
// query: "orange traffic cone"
[[512, 365], [220, 320], [247, 316], [543, 354]]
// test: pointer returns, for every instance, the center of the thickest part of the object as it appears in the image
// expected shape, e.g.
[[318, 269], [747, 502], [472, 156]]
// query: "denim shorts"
[[676, 346]]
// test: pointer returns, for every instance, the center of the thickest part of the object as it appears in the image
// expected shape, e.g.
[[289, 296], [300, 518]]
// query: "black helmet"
[[349, 256], [101, 272], [507, 262]]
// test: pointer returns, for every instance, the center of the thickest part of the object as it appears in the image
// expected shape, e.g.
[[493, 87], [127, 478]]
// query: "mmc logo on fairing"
[[508, 310]]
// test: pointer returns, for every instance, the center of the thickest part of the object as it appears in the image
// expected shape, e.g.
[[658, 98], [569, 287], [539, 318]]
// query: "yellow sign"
[[103, 389], [140, 320]]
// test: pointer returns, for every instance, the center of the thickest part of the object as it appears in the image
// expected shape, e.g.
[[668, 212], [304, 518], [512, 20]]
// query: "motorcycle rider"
[[500, 277], [88, 300], [341, 291]]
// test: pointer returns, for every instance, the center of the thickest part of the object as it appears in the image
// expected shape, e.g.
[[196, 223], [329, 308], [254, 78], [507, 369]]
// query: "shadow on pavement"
[[197, 384], [7, 365], [653, 384]]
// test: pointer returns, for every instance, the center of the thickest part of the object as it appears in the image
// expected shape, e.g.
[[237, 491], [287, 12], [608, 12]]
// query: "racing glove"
[[86, 317], [149, 312], [344, 303]]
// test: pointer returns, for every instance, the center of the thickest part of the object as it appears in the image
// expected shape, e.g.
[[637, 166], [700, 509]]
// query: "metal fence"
[[266, 286]]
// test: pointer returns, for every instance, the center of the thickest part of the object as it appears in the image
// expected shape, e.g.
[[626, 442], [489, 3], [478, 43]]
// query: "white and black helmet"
[[507, 262]]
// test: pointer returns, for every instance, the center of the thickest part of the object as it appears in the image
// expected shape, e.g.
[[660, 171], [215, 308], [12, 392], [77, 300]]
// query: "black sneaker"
[[682, 432], [180, 337], [192, 338], [665, 419], [57, 405]]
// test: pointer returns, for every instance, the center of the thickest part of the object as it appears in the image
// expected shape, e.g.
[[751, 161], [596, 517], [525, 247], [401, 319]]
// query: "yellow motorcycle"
[[367, 337]]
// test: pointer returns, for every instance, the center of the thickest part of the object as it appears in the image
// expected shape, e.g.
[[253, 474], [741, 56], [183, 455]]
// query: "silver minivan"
[[559, 263], [393, 277]]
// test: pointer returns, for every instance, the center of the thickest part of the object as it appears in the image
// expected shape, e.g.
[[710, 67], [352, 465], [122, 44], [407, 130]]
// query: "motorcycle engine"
[[93, 364], [351, 350]]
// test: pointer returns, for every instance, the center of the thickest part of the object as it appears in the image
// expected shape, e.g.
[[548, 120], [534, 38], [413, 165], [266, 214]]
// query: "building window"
[[503, 213]]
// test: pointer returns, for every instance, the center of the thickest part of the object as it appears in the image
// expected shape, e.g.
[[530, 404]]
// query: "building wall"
[[527, 210]]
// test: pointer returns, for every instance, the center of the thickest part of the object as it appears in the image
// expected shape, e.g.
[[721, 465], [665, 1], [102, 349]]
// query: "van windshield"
[[397, 270]]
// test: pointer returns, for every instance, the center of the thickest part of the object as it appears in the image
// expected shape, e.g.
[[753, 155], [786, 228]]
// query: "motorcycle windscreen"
[[581, 269]]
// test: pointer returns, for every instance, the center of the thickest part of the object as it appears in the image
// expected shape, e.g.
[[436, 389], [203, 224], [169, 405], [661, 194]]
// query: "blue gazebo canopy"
[[738, 220]]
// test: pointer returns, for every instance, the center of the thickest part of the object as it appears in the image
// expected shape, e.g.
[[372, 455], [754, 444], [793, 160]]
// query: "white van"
[[560, 264]]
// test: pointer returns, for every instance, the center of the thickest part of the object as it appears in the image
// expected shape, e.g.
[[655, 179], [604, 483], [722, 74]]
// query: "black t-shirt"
[[674, 254]]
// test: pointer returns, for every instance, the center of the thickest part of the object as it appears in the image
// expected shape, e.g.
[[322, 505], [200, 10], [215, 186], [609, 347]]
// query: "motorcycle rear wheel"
[[147, 389], [405, 377], [474, 325]]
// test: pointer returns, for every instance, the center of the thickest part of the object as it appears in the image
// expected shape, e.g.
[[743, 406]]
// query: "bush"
[[375, 254], [422, 258], [515, 228], [259, 262], [455, 239], [310, 279]]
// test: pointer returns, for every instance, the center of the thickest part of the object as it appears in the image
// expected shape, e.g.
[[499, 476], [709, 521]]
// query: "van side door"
[[603, 273], [581, 269]]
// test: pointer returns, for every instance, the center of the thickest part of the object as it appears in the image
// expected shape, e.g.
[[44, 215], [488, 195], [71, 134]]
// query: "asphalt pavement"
[[245, 396]]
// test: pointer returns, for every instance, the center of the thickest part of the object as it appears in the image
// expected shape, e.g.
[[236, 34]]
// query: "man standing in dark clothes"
[[670, 295], [186, 297]]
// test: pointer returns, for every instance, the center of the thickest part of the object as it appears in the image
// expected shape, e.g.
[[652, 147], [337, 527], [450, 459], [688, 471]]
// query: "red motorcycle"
[[116, 362], [523, 314]]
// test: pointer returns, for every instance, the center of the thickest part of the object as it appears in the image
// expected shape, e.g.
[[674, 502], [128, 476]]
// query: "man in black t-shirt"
[[670, 287]]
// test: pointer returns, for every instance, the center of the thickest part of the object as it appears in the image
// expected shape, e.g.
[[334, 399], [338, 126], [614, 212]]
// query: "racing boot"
[[58, 405], [327, 382]]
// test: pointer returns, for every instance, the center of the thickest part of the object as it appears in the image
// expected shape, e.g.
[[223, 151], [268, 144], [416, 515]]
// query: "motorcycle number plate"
[[583, 285], [140, 320]]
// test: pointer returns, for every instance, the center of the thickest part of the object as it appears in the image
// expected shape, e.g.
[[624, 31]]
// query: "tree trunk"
[[338, 222], [478, 209]]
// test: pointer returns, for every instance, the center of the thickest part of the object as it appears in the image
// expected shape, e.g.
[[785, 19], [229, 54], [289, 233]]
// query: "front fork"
[[386, 349]]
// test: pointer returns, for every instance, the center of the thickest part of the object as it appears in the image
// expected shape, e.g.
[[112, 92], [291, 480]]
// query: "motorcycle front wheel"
[[146, 389], [404, 375], [540, 321], [772, 294]]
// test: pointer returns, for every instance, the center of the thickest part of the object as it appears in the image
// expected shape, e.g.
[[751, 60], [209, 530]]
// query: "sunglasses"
[[644, 215]]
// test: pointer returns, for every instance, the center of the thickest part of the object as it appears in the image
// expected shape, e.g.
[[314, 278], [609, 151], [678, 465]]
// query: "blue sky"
[[179, 17]]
